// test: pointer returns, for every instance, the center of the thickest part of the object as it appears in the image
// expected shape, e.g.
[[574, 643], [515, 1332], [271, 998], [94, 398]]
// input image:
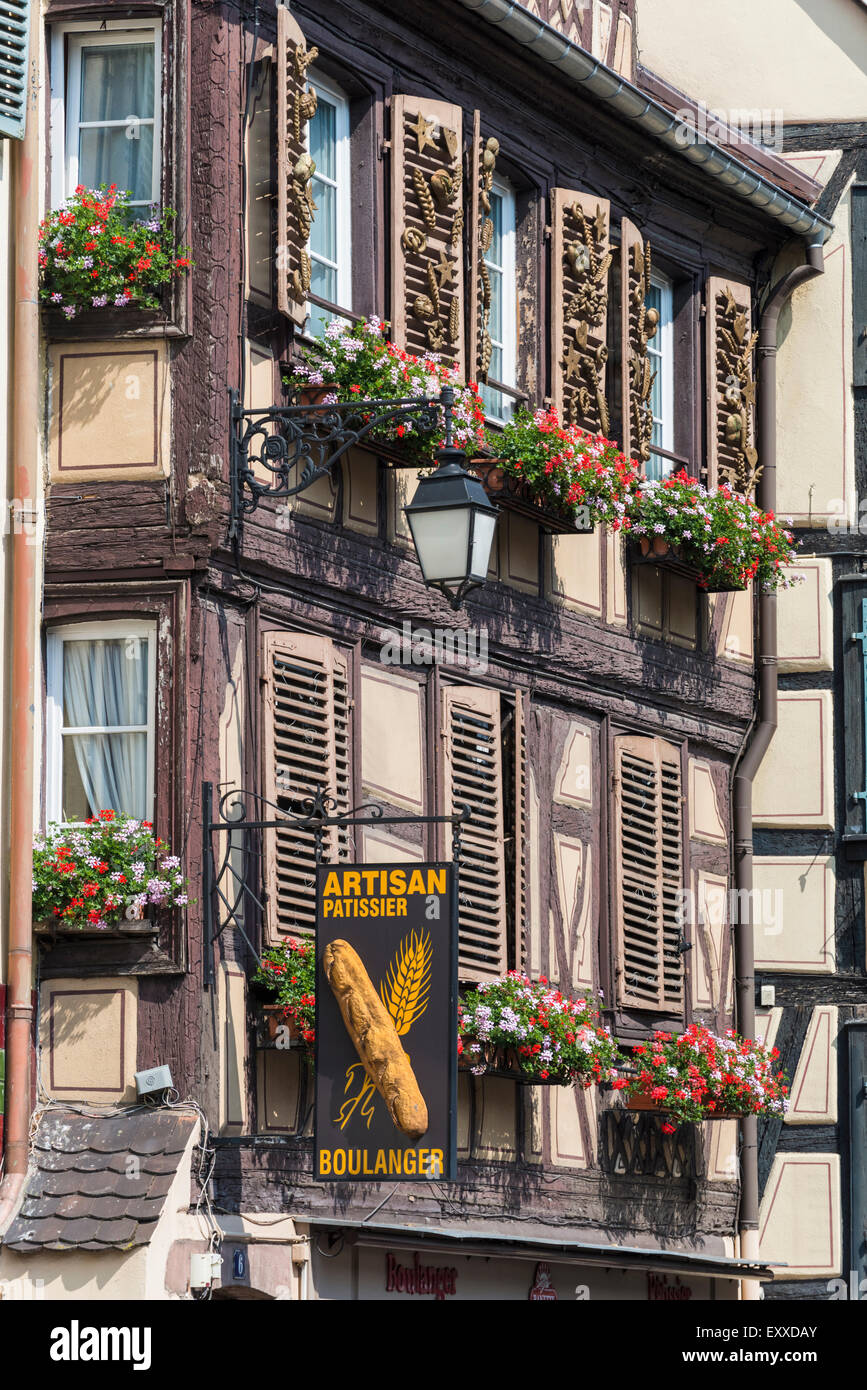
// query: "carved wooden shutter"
[[296, 103], [14, 32], [649, 874], [637, 326], [483, 162], [427, 262], [731, 387], [473, 775], [307, 745], [579, 307]]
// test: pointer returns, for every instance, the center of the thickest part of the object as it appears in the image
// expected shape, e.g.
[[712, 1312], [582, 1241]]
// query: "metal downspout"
[[25, 489], [748, 1216]]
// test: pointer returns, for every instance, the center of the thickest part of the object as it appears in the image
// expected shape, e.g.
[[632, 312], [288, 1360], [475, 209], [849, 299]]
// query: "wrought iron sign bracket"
[[283, 450], [232, 875]]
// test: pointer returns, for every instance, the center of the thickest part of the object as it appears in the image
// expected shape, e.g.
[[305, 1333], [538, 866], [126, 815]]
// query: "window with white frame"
[[105, 108], [502, 324], [660, 350], [330, 233], [100, 720]]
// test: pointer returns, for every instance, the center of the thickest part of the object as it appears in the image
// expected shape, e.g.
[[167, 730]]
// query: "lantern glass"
[[452, 523]]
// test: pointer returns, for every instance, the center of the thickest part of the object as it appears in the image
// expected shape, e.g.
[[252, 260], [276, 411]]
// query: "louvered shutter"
[[520, 812], [730, 341], [296, 103], [427, 261], [483, 163], [307, 745], [649, 874], [14, 32], [637, 327], [581, 260], [473, 775]]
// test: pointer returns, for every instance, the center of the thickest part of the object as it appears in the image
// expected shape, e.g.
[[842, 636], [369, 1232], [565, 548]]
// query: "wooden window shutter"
[[648, 874], [581, 260], [473, 775], [731, 387], [307, 744], [520, 814], [427, 217], [637, 327], [14, 33], [483, 163], [296, 103]]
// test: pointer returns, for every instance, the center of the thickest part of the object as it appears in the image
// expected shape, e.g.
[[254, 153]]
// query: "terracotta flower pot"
[[516, 495], [275, 1019], [315, 395]]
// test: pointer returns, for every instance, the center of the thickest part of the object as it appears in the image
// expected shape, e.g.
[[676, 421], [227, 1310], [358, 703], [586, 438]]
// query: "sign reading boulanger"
[[386, 1022]]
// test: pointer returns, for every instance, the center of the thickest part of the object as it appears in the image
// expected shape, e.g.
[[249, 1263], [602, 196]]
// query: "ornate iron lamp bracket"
[[281, 451]]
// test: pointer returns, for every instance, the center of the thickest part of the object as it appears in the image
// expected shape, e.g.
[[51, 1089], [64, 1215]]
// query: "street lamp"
[[452, 524], [281, 451]]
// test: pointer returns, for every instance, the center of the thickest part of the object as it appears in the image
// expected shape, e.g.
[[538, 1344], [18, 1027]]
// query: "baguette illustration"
[[375, 1038]]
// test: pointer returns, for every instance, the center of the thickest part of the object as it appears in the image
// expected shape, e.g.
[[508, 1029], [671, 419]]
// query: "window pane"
[[117, 81], [105, 772], [105, 682], [323, 138], [323, 233], [107, 156], [495, 251], [323, 282]]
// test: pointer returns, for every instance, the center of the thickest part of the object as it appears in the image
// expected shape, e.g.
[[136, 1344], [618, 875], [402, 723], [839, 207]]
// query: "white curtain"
[[105, 684]]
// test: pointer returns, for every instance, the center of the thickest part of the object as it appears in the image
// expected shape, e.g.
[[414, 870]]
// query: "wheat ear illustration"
[[405, 990]]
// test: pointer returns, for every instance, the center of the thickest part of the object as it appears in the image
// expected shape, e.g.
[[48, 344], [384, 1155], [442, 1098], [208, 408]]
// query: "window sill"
[[110, 323]]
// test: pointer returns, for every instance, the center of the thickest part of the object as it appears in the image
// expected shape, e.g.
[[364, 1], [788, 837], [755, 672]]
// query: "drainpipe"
[[25, 489], [748, 1216]]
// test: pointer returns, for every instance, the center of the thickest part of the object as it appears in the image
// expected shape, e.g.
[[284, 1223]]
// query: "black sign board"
[[386, 1022]]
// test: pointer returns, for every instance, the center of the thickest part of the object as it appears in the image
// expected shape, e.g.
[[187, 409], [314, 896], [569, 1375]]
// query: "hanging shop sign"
[[386, 1022]]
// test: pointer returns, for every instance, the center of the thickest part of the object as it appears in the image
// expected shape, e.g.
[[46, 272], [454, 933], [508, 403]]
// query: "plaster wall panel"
[[496, 1117], [705, 814], [615, 569], [88, 1036], [279, 1090], [736, 642], [392, 754], [721, 1147], [794, 786], [794, 914], [110, 411], [814, 363], [568, 1148], [816, 73], [767, 1024], [573, 785], [813, 1097], [710, 965], [574, 888], [381, 848], [799, 1219], [519, 552], [360, 492], [232, 1023], [804, 618], [574, 571]]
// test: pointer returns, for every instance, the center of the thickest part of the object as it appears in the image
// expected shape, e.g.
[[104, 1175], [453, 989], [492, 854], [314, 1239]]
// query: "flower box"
[[657, 550], [514, 495], [138, 926], [659, 1107], [504, 1063], [315, 395]]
